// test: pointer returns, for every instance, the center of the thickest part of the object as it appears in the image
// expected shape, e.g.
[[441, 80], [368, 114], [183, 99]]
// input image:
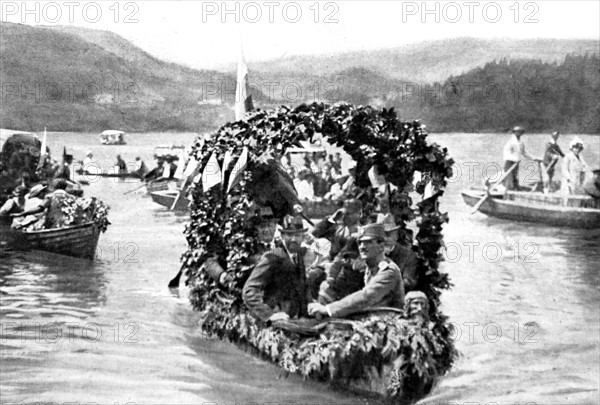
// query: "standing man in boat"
[[383, 280], [551, 156], [276, 291], [514, 151]]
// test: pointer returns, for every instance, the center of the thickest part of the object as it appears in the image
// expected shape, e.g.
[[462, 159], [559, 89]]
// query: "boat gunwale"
[[548, 207]]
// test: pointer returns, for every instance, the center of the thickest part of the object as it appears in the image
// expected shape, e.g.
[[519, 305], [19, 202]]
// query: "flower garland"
[[218, 228]]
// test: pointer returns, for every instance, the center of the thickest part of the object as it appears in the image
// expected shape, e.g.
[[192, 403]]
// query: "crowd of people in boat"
[[344, 265], [320, 176], [577, 179], [38, 207]]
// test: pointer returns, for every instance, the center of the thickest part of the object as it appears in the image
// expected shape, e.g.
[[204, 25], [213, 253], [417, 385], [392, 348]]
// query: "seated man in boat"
[[275, 291], [383, 280], [338, 227], [15, 204], [158, 171], [33, 199], [417, 306], [404, 257], [263, 220], [52, 206], [121, 165], [551, 156], [592, 186], [90, 166]]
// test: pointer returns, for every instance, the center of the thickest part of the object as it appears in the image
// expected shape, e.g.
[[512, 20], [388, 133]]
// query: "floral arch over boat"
[[406, 355]]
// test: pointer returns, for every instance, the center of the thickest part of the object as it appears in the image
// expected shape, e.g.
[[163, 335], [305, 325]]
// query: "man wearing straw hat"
[[276, 289], [383, 280]]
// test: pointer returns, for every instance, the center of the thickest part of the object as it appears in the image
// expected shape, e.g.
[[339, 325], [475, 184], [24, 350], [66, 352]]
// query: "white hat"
[[575, 141]]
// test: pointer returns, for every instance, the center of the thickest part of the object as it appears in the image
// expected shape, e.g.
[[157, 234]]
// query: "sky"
[[207, 34]]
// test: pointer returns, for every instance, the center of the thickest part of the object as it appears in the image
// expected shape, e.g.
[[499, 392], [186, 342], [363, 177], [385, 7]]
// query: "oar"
[[487, 193], [138, 188], [174, 283]]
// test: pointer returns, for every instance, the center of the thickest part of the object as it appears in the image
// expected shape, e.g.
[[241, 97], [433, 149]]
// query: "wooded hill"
[[76, 79]]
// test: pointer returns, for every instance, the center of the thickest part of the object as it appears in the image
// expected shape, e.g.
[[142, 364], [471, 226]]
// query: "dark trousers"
[[512, 180]]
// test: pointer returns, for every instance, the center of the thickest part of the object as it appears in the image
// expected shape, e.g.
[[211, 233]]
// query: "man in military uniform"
[[276, 291], [404, 257], [383, 280]]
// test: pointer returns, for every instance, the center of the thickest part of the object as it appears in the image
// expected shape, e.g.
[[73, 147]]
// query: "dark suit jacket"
[[406, 260], [276, 284]]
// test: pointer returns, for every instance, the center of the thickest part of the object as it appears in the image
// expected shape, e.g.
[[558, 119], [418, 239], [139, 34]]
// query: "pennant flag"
[[191, 167], [238, 169], [181, 166], [226, 162], [243, 99], [211, 175], [43, 152], [64, 153]]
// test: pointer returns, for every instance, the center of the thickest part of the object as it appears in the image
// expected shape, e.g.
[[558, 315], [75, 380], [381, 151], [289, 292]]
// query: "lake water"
[[525, 304]]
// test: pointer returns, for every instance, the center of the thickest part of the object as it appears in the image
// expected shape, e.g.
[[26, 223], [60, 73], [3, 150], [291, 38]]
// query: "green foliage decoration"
[[419, 352]]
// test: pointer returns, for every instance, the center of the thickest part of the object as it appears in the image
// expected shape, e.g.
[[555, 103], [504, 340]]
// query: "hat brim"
[[392, 229], [367, 238], [290, 231]]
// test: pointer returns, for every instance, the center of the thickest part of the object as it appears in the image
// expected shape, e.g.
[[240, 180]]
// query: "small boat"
[[553, 209], [320, 209], [112, 137], [166, 198], [76, 241]]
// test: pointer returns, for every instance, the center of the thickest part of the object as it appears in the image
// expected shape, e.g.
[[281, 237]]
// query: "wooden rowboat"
[[76, 241], [552, 209], [166, 198]]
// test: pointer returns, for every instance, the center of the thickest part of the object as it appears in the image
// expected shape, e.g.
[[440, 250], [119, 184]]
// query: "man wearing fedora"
[[339, 227], [514, 151], [383, 280], [404, 257], [276, 289]]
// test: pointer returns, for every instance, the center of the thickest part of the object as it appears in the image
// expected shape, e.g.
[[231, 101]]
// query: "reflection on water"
[[526, 312]]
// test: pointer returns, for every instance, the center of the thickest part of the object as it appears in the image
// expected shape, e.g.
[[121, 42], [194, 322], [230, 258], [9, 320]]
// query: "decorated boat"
[[573, 211], [112, 137], [382, 352]]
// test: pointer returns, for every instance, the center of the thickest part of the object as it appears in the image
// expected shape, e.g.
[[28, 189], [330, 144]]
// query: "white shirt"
[[514, 150]]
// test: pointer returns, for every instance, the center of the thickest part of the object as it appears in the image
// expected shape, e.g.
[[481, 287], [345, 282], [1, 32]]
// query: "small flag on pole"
[[43, 151], [211, 175], [226, 162], [238, 169], [243, 99]]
